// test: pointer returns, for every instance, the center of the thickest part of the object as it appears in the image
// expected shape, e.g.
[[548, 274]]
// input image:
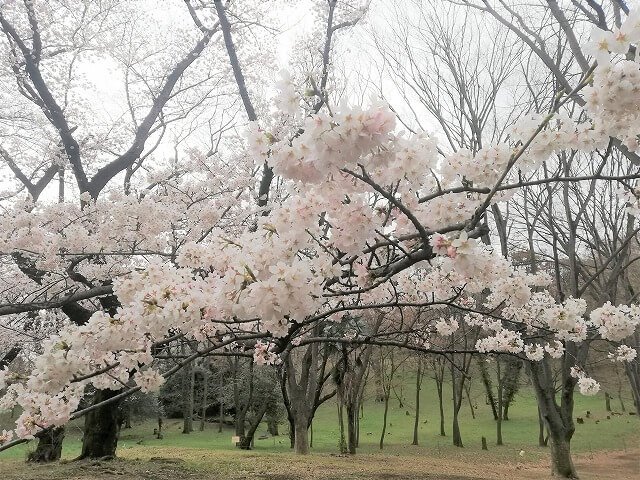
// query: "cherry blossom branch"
[[11, 309]]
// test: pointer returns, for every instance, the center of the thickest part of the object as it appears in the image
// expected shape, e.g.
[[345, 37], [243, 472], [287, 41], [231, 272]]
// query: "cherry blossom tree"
[[370, 222]]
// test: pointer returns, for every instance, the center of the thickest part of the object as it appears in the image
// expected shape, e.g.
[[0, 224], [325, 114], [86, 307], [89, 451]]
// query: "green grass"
[[521, 432]]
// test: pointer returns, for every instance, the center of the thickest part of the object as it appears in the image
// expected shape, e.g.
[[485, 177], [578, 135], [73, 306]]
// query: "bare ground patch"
[[194, 464]]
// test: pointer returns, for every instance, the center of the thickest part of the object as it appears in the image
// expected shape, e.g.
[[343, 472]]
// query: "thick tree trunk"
[[301, 436], [343, 443], [101, 427], [49, 447], [558, 419], [561, 463], [352, 413], [240, 424]]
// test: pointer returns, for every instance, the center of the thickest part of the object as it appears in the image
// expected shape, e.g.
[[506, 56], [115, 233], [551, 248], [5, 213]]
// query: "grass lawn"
[[203, 449]]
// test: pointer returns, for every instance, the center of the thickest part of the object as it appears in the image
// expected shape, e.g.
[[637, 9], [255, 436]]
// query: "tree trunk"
[[384, 419], [500, 403], [486, 381], [632, 370], [101, 427], [510, 384], [561, 463], [292, 432], [417, 418], [467, 389], [343, 443], [127, 417], [188, 386], [352, 413], [505, 410], [358, 417], [301, 436], [542, 440], [558, 419], [439, 387], [622, 407], [49, 447], [457, 437], [246, 442], [220, 417], [377, 378], [205, 399], [272, 425], [240, 424]]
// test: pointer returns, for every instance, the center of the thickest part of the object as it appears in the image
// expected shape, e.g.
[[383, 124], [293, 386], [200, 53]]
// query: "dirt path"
[[599, 466]]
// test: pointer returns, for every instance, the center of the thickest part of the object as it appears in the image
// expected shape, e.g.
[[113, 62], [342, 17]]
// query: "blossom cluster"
[[587, 385], [612, 99], [262, 354], [616, 323]]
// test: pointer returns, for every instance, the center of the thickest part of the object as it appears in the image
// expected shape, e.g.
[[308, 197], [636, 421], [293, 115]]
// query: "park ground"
[[606, 447]]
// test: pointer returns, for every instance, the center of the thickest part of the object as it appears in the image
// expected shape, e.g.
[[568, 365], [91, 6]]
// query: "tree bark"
[[500, 404], [127, 417], [558, 419], [49, 447], [301, 438], [440, 404], [205, 395], [542, 440], [384, 419], [343, 443], [486, 381], [101, 427], [632, 369], [467, 389], [246, 442], [416, 422], [457, 437], [188, 386], [377, 379], [561, 462], [510, 384], [221, 401], [352, 413]]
